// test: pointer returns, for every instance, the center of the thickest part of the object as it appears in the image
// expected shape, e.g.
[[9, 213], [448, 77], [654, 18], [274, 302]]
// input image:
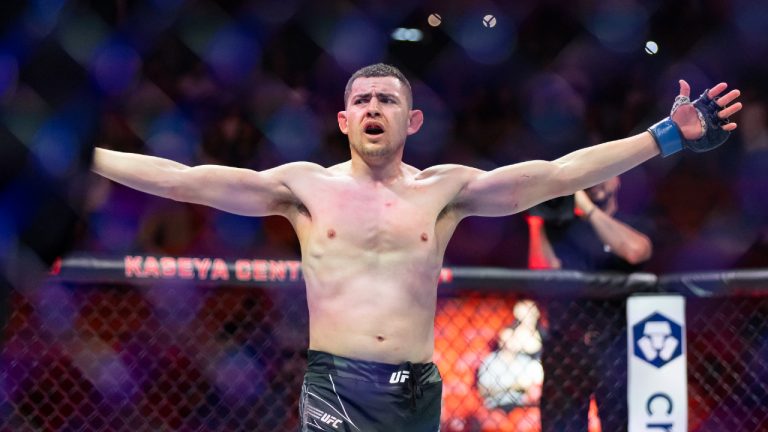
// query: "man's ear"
[[342, 118], [415, 120]]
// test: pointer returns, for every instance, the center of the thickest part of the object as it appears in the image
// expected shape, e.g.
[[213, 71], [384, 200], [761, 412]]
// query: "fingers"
[[716, 90], [724, 101], [729, 111], [728, 98]]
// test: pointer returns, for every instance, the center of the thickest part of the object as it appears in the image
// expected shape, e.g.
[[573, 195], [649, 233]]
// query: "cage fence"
[[517, 350]]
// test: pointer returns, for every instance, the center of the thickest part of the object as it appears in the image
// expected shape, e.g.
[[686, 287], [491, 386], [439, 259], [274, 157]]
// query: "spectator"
[[511, 375], [584, 353]]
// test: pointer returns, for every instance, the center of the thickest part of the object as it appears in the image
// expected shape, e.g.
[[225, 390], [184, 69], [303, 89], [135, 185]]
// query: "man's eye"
[[359, 101]]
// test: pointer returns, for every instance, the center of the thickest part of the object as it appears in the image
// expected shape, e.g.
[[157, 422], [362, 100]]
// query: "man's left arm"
[[698, 126]]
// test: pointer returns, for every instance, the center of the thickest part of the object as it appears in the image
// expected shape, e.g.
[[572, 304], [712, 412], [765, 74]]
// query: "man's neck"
[[386, 172]]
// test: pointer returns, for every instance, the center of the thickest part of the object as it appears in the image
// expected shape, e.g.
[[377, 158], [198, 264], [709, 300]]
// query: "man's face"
[[604, 194], [378, 118]]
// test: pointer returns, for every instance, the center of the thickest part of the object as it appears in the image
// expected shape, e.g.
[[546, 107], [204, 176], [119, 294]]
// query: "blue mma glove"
[[669, 138]]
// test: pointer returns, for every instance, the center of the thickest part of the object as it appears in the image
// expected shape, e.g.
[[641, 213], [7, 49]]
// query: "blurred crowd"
[[258, 83]]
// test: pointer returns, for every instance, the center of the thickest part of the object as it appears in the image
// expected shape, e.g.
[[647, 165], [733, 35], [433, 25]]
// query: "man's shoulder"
[[452, 170], [306, 169], [303, 166]]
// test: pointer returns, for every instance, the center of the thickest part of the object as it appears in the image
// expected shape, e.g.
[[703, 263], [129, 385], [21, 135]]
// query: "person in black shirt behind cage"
[[584, 353]]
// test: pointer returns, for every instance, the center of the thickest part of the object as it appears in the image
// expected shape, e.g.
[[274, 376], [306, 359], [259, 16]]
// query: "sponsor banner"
[[166, 267], [657, 391], [203, 269]]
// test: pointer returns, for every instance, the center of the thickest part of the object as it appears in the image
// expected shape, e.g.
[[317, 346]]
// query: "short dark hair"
[[378, 70]]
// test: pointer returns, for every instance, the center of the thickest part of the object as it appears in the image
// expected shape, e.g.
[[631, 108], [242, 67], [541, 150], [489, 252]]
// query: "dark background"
[[258, 83]]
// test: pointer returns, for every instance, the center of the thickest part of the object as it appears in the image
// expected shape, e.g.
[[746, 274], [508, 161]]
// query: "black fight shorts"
[[341, 394]]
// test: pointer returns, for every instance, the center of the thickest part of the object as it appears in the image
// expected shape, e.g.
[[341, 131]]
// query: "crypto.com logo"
[[657, 339]]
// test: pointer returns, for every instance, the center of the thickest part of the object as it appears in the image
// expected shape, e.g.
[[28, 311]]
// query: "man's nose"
[[373, 108]]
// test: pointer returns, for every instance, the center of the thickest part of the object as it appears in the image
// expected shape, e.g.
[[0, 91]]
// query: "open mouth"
[[373, 129]]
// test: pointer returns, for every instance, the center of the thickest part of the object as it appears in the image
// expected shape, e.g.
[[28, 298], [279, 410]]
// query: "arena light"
[[407, 34], [651, 47]]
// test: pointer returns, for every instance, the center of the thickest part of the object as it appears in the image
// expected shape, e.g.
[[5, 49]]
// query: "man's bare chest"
[[374, 218]]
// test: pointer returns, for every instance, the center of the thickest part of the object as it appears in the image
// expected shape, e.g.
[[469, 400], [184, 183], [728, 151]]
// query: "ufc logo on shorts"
[[323, 416], [399, 377], [331, 420]]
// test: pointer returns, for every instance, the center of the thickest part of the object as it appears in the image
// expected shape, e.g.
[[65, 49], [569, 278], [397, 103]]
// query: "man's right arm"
[[235, 190]]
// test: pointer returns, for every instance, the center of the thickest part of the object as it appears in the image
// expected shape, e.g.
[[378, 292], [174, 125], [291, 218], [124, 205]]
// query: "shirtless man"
[[373, 231]]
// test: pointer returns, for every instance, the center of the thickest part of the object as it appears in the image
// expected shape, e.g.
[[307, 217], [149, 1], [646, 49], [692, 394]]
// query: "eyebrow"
[[378, 94]]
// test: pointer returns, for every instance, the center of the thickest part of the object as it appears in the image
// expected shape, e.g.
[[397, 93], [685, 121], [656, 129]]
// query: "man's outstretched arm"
[[514, 188], [235, 190]]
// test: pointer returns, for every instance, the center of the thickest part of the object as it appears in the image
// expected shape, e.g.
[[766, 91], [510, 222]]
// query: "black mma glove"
[[669, 138]]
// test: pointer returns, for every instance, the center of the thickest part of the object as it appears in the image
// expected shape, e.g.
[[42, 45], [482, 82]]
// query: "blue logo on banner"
[[657, 339]]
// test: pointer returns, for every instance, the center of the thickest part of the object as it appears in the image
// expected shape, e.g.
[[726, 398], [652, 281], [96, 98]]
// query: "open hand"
[[688, 121]]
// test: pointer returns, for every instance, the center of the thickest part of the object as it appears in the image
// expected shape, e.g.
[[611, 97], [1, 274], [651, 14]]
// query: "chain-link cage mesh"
[[728, 364], [183, 357], [167, 357]]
